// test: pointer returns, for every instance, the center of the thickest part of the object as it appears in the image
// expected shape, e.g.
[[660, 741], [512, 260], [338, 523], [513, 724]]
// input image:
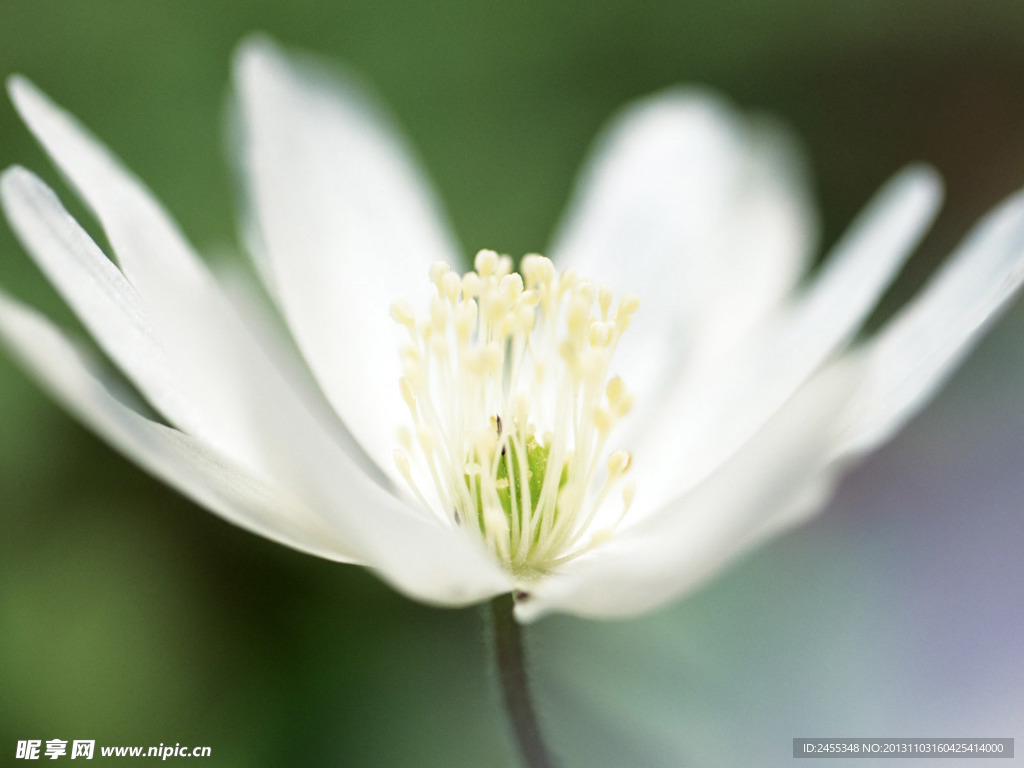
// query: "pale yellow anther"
[[600, 537], [569, 351], [476, 363], [471, 285], [465, 319], [402, 464], [511, 287], [566, 281], [600, 334], [409, 354], [505, 265], [438, 270], [577, 316], [439, 346], [593, 362], [615, 390], [439, 311], [603, 420], [408, 394], [624, 406], [495, 308], [495, 520], [540, 370], [525, 318], [604, 300], [530, 268], [486, 361], [628, 305], [486, 263], [402, 314], [412, 373], [492, 356], [508, 324], [450, 286], [537, 270], [427, 439], [530, 298], [619, 462]]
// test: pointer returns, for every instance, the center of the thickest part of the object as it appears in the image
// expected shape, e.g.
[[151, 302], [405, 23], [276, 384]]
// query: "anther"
[[402, 314], [486, 263], [437, 271]]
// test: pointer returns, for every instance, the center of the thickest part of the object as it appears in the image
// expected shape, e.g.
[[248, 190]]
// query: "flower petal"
[[701, 213], [915, 353], [102, 298], [418, 555], [74, 379], [711, 416], [205, 340], [919, 349], [347, 226], [249, 411], [687, 541], [165, 276]]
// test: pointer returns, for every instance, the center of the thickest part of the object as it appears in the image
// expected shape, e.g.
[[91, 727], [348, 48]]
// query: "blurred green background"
[[130, 616]]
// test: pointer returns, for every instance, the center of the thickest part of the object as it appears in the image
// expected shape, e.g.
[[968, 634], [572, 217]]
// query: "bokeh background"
[[130, 616]]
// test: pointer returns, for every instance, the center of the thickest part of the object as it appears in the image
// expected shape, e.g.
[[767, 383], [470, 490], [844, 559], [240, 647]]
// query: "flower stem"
[[508, 647]]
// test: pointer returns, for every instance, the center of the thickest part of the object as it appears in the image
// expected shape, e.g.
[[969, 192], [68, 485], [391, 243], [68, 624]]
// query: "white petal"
[[247, 410], [176, 297], [145, 240], [707, 420], [765, 241], [205, 341], [416, 554], [915, 353], [76, 381], [347, 226], [680, 546], [100, 295], [701, 213]]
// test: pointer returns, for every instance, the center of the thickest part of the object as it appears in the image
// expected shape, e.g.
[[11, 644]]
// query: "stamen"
[[499, 358]]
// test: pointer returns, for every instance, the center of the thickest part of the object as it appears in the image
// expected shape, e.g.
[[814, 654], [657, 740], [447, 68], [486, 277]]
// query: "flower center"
[[507, 382]]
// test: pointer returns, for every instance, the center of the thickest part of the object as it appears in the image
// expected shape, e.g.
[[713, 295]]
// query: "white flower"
[[741, 395]]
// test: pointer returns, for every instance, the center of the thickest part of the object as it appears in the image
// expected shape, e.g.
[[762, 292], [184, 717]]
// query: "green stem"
[[508, 646]]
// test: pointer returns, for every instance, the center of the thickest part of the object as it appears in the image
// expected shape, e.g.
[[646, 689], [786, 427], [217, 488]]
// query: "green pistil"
[[511, 486]]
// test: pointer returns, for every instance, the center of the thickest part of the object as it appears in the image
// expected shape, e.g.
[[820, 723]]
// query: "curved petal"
[[703, 214], [687, 541], [250, 411], [101, 297], [915, 353], [346, 226], [711, 416], [906, 363], [205, 340], [176, 297], [417, 555], [69, 374]]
